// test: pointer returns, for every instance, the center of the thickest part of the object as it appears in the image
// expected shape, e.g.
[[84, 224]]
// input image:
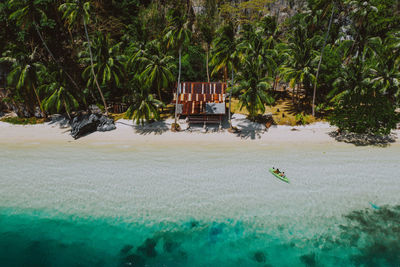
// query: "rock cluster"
[[84, 123]]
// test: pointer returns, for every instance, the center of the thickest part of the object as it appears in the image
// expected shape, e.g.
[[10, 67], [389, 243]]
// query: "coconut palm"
[[76, 12], [361, 107], [384, 71], [320, 60], [24, 74], [299, 67], [177, 36], [254, 44], [58, 97], [155, 67], [108, 63], [252, 87], [207, 31], [224, 55], [144, 106], [28, 13], [224, 48]]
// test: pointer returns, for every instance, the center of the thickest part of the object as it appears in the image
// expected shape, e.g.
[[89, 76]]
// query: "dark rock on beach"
[[85, 123], [95, 110], [105, 124], [38, 113], [60, 120]]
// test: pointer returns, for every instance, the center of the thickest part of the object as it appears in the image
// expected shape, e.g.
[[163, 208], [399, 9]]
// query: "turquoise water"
[[129, 205]]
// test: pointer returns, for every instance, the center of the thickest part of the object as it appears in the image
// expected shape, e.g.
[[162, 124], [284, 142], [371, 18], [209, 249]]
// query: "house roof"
[[201, 98]]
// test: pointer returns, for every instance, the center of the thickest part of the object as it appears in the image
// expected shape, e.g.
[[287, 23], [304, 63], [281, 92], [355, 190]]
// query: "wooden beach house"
[[202, 102]]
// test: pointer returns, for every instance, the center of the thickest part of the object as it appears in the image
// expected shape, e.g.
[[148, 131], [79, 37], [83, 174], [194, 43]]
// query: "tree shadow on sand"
[[363, 139], [249, 130], [156, 128]]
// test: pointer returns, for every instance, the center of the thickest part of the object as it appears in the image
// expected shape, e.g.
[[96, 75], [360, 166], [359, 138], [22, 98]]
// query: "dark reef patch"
[[134, 260], [260, 257], [126, 249], [375, 236], [309, 260], [148, 248]]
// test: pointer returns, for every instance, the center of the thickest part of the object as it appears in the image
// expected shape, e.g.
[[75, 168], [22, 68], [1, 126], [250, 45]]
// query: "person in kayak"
[[276, 170], [282, 174]]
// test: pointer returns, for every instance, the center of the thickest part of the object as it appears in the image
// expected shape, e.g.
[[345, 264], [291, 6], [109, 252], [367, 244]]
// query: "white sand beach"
[[159, 132]]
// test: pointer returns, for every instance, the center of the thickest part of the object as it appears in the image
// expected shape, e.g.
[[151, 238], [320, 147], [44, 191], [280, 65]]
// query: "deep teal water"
[[369, 237]]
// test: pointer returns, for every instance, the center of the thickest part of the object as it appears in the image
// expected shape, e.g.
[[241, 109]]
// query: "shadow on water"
[[363, 139]]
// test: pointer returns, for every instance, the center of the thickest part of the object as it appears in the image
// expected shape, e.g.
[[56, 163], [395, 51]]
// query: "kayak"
[[285, 179]]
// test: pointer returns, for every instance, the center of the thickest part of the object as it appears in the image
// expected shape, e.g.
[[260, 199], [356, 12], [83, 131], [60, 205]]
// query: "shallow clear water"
[[209, 205]]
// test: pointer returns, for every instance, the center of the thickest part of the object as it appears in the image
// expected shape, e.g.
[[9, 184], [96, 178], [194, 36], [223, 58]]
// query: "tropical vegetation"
[[337, 60]]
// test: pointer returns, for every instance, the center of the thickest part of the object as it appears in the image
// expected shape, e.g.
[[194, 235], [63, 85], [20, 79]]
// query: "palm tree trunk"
[[274, 85], [208, 74], [40, 103], [226, 73], [293, 93], [159, 94], [92, 68], [66, 109], [319, 63], [52, 56], [179, 86], [298, 96], [230, 103]]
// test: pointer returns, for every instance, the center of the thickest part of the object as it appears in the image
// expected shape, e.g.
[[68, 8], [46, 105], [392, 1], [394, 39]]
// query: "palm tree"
[[320, 61], [207, 30], [256, 45], [73, 12], [155, 67], [57, 94], [225, 55], [27, 14], [299, 67], [106, 62], [224, 49], [24, 74], [206, 22], [252, 87], [177, 36], [359, 105], [144, 107], [384, 71], [268, 29]]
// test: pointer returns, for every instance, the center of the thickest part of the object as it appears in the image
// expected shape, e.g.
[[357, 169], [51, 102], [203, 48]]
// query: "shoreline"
[[159, 133]]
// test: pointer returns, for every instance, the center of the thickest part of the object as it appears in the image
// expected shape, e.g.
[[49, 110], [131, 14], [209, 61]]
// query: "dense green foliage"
[[63, 55]]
